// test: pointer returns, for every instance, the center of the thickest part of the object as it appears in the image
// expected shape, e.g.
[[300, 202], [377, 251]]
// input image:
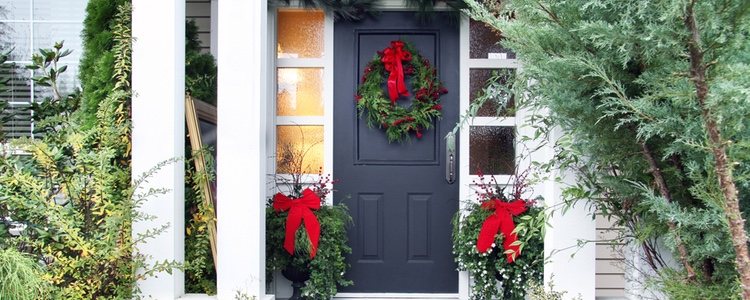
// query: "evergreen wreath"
[[390, 67]]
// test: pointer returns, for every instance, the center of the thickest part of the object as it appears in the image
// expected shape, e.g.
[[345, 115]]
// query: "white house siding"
[[200, 12], [610, 274]]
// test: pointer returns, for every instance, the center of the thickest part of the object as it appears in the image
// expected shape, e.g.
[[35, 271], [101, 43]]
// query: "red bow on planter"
[[501, 220], [392, 57], [299, 210]]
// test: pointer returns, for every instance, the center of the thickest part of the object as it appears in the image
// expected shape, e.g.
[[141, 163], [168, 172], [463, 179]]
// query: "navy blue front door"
[[397, 193]]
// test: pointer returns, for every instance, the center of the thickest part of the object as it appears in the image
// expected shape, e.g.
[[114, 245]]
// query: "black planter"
[[498, 276], [298, 277]]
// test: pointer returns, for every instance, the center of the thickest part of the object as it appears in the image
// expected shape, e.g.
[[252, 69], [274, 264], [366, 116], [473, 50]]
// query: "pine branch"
[[718, 147], [661, 184]]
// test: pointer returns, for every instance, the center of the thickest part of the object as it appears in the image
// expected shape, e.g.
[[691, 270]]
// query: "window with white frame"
[[26, 26], [491, 139], [303, 93]]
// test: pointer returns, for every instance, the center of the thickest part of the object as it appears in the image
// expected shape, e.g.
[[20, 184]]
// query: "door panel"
[[397, 194]]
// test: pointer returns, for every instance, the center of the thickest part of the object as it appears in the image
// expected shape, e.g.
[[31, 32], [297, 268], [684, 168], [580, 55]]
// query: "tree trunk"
[[661, 184], [718, 147]]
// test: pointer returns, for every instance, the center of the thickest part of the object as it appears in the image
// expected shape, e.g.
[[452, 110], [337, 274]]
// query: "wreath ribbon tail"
[[392, 89], [400, 82]]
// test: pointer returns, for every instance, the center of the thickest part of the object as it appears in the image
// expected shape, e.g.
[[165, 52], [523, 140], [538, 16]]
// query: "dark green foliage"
[[425, 9], [616, 77], [98, 59], [200, 68], [200, 272], [329, 265], [350, 10], [428, 5], [355, 10]]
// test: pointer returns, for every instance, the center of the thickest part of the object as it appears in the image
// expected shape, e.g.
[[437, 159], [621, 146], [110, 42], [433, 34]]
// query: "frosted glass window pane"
[[484, 40], [18, 87], [478, 81], [16, 36], [66, 10], [492, 150], [299, 92], [300, 34], [15, 9], [46, 34], [299, 148]]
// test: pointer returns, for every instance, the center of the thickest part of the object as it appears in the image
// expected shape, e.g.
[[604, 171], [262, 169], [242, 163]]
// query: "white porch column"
[[159, 133], [576, 274], [241, 157]]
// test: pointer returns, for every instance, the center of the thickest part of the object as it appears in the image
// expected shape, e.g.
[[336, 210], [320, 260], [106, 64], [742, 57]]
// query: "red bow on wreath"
[[299, 210], [392, 57], [501, 220]]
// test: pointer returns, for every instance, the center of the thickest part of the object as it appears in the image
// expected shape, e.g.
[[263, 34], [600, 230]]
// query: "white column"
[[159, 133], [571, 268], [241, 158]]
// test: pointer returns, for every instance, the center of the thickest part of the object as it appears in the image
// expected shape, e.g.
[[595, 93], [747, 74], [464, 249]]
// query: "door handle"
[[450, 158]]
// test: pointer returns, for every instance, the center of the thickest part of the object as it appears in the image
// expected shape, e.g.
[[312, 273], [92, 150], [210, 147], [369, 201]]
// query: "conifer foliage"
[[96, 70], [652, 97]]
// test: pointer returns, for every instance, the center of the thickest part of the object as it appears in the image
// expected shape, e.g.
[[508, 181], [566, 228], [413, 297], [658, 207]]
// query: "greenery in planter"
[[328, 267], [492, 266], [652, 99]]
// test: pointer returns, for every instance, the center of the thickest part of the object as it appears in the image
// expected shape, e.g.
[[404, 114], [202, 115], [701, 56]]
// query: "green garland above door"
[[354, 10]]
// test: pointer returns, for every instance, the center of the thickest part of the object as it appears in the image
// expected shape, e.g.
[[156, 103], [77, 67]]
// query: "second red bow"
[[501, 220], [300, 210]]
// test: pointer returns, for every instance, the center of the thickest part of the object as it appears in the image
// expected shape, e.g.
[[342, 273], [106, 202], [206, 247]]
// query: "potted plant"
[[499, 239], [306, 238]]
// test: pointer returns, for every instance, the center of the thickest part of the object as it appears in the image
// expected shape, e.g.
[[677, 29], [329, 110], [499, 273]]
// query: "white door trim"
[[327, 64]]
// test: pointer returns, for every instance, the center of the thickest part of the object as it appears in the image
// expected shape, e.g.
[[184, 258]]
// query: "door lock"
[[450, 158]]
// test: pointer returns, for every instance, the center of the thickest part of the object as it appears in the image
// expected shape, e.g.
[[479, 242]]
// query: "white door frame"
[[574, 274], [245, 56]]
